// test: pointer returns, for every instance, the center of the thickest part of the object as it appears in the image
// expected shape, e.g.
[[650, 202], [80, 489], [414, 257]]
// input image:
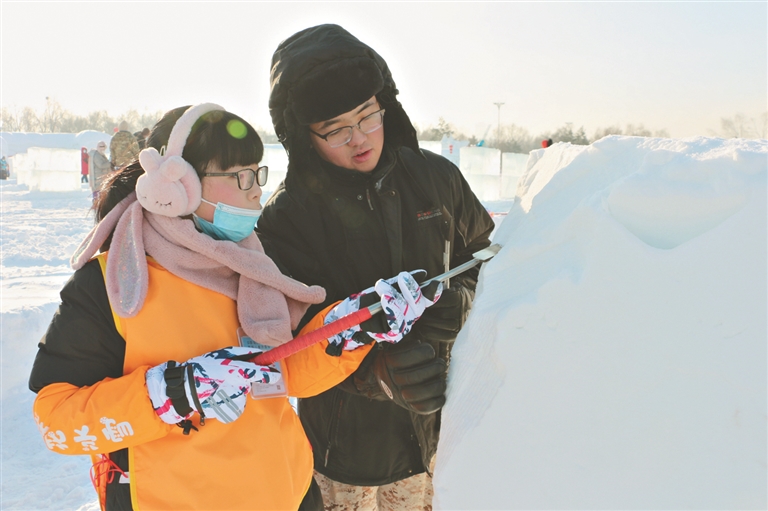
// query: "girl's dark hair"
[[220, 139]]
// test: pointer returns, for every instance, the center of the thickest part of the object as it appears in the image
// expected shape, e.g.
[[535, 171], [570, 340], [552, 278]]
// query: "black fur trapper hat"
[[325, 71]]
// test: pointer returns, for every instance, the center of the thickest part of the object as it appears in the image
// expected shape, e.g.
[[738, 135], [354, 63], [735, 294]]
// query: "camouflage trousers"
[[411, 494]]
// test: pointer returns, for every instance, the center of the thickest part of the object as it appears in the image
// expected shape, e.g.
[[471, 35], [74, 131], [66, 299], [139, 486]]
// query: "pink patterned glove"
[[215, 385], [400, 311]]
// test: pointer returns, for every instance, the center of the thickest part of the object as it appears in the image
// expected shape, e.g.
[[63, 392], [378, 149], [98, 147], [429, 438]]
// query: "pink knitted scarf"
[[269, 304]]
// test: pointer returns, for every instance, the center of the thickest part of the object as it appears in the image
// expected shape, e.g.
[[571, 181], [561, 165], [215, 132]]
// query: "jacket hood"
[[324, 71]]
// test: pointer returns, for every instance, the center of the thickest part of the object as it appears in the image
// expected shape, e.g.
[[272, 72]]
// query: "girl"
[[182, 277]]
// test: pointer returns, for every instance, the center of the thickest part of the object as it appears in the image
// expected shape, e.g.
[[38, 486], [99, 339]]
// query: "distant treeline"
[[55, 119], [516, 139], [509, 138]]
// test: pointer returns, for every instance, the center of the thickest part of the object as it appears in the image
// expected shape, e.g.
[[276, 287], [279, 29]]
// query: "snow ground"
[[38, 233]]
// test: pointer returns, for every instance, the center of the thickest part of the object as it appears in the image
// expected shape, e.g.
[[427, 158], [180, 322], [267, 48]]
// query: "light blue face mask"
[[229, 222]]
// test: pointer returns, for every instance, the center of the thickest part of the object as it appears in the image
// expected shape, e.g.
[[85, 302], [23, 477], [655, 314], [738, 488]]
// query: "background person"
[[123, 148], [84, 164], [141, 137], [4, 172], [99, 167], [361, 201]]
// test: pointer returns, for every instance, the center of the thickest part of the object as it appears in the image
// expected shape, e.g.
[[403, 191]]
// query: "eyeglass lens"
[[245, 177], [367, 125]]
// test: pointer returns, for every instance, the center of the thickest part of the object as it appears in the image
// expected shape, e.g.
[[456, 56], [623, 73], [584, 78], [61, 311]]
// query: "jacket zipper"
[[368, 196], [334, 421]]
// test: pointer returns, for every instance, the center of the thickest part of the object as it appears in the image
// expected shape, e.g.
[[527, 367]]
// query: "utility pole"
[[498, 137], [498, 125]]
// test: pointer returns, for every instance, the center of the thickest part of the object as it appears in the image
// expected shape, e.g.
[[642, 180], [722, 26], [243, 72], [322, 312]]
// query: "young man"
[[360, 202]]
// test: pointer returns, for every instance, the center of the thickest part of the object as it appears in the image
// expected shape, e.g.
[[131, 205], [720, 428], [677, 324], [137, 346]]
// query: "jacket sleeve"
[[109, 415], [312, 371], [85, 405]]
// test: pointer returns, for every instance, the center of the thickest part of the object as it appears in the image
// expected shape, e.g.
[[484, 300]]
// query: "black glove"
[[442, 321], [411, 376]]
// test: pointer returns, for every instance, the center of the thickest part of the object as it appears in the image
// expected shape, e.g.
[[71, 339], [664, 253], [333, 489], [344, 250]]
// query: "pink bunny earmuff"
[[170, 185]]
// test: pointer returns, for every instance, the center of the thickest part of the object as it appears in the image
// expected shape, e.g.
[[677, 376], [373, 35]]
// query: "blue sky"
[[679, 66]]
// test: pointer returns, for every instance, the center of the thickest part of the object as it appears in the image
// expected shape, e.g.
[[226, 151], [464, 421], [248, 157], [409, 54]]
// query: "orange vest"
[[262, 460]]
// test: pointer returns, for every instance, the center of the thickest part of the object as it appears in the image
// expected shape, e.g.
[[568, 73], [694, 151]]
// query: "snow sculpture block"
[[49, 170], [512, 167], [434, 146], [481, 167], [451, 148], [615, 356], [19, 142], [276, 159], [480, 161]]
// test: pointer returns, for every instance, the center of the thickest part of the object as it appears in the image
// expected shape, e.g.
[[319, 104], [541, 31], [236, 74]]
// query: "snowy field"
[[38, 233], [615, 357]]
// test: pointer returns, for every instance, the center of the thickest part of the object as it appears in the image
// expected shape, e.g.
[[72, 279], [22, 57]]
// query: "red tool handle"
[[304, 341]]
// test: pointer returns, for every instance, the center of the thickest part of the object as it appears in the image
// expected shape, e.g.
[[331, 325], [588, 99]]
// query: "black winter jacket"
[[343, 230]]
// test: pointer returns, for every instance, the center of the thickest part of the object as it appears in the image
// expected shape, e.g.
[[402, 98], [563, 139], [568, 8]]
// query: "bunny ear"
[[175, 167], [127, 275], [150, 159]]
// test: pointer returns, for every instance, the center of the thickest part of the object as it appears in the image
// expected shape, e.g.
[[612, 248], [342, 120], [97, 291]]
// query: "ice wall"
[[48, 170], [450, 148], [276, 159], [481, 167], [434, 146], [12, 143], [492, 175], [615, 356], [513, 166]]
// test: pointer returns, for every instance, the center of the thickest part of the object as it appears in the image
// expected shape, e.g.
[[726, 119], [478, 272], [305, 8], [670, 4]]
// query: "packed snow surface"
[[39, 231], [615, 356]]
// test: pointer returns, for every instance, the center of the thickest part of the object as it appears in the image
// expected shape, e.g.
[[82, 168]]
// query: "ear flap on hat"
[[170, 185], [398, 129]]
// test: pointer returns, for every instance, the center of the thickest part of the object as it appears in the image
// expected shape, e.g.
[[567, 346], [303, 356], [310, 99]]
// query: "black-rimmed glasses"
[[245, 177], [343, 135]]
